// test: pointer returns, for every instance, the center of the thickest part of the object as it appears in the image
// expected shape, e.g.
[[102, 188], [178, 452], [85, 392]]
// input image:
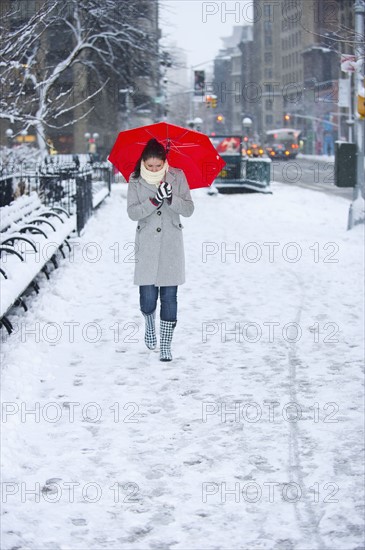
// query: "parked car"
[[255, 151], [282, 143]]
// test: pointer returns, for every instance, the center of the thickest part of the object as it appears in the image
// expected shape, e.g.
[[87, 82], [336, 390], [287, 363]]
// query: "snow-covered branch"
[[41, 56]]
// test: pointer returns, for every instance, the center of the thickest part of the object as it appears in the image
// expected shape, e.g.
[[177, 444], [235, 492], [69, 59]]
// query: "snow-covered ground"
[[250, 439], [324, 158]]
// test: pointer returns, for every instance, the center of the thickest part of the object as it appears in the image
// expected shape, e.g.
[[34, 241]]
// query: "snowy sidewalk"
[[250, 439]]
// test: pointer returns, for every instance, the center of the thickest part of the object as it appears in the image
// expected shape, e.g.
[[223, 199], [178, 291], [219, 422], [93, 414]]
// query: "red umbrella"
[[187, 149]]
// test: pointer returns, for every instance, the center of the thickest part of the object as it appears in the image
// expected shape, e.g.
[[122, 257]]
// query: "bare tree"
[[44, 53]]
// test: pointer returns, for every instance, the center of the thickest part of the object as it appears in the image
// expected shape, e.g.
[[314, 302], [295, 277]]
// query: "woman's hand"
[[164, 191]]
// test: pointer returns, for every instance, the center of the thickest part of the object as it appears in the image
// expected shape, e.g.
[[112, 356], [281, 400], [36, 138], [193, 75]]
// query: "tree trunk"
[[41, 139]]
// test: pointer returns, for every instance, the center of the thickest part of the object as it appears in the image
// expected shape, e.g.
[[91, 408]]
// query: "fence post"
[[109, 179], [79, 205], [6, 191], [84, 200]]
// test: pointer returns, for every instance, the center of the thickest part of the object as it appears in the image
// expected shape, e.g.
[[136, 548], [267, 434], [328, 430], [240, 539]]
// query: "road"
[[316, 175]]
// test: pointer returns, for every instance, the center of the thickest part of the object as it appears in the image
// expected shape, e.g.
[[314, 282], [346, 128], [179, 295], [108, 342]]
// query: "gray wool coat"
[[159, 251]]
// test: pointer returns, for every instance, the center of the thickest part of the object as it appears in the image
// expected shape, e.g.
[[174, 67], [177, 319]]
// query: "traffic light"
[[211, 101], [199, 82], [220, 118], [286, 119]]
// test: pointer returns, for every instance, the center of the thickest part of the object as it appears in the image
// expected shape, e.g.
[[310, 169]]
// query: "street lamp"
[[23, 133], [166, 63], [9, 134], [247, 125], [197, 123], [91, 141], [127, 92], [87, 137]]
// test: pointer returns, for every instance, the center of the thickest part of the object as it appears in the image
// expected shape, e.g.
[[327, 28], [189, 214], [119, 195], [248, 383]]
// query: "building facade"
[[304, 57], [288, 69]]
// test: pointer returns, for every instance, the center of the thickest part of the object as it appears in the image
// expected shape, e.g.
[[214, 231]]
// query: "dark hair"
[[153, 149]]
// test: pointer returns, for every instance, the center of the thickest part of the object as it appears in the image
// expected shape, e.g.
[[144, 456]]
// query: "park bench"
[[31, 235]]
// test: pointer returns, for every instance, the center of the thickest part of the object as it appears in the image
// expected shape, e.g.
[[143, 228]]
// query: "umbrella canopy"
[[187, 149]]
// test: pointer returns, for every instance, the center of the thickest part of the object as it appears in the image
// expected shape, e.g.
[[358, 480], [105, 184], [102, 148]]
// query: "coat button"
[[180, 225], [158, 213], [158, 229], [138, 227]]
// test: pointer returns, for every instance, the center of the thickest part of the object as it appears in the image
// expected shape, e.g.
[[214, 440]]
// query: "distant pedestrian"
[[157, 195]]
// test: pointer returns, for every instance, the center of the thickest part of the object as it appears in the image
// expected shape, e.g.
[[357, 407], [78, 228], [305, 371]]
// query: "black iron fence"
[[77, 188]]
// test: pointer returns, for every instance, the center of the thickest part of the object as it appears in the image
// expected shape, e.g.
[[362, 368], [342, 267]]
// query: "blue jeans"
[[148, 295]]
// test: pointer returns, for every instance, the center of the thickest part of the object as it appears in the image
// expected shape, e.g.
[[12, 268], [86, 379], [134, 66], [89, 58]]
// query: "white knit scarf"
[[154, 178]]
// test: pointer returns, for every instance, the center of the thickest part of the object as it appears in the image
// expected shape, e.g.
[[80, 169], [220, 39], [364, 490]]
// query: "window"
[[269, 119], [268, 40], [268, 57], [268, 104]]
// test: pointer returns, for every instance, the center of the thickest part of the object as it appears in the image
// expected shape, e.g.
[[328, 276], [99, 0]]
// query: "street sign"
[[344, 92], [348, 63]]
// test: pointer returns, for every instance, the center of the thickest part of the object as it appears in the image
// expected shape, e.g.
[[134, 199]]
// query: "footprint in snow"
[[79, 521]]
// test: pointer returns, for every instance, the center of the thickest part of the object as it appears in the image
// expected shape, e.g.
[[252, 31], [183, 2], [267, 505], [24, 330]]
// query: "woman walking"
[[157, 195]]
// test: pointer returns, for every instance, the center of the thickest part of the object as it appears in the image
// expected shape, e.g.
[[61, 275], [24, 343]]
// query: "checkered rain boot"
[[150, 330], [166, 333]]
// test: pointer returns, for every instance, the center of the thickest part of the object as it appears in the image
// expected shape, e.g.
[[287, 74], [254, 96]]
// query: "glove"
[[164, 191], [156, 200]]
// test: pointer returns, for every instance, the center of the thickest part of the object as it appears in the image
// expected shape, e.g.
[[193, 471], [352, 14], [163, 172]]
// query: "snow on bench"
[[31, 234], [17, 210], [100, 192]]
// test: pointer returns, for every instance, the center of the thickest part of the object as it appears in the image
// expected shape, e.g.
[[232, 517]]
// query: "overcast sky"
[[197, 25]]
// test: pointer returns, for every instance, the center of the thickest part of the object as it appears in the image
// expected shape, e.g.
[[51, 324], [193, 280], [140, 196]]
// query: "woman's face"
[[153, 164]]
